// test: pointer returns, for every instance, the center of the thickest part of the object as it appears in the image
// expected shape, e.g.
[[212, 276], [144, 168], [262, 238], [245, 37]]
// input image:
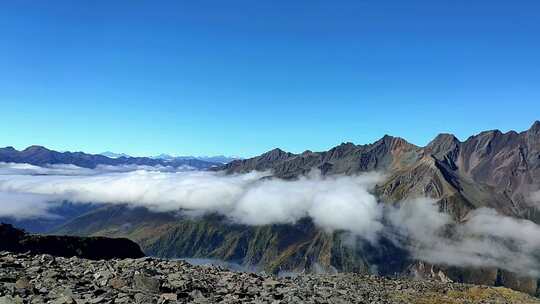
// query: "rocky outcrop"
[[46, 279], [15, 240]]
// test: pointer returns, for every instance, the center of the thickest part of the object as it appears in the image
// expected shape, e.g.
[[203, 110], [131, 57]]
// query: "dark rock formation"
[[15, 240]]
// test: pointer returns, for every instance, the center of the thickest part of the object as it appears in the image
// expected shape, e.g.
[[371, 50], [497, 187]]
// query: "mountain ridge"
[[508, 163], [39, 156]]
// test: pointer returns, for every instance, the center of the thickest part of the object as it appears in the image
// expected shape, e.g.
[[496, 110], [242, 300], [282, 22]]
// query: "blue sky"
[[242, 77]]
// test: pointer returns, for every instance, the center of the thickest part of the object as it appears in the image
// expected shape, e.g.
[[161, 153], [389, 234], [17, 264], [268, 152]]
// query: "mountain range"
[[221, 159], [215, 159], [493, 169], [489, 169], [39, 156]]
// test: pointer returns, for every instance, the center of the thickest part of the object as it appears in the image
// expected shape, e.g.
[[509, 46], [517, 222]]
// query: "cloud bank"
[[485, 239], [69, 169], [26, 206], [342, 202]]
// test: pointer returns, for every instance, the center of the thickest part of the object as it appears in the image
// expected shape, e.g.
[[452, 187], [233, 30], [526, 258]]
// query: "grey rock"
[[146, 283], [7, 300]]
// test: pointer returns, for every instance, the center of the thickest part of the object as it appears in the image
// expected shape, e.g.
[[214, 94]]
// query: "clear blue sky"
[[242, 77]]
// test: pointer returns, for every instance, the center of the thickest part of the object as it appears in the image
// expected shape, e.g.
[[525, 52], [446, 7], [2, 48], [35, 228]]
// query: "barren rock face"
[[46, 279]]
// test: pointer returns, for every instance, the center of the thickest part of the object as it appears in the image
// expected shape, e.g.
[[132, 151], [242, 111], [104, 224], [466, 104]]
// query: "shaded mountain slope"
[[274, 248]]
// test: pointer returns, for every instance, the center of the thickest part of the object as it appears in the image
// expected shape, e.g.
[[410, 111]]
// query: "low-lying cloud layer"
[[334, 203], [69, 169], [25, 206], [485, 239]]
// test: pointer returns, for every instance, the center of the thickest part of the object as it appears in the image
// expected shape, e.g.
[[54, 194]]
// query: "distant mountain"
[[113, 155], [38, 155], [213, 159], [218, 159], [165, 157]]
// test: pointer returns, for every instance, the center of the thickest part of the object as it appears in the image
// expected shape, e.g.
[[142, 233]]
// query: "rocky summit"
[[26, 278]]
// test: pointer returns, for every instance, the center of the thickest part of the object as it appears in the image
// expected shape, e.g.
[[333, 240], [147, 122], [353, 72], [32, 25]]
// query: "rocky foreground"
[[26, 278]]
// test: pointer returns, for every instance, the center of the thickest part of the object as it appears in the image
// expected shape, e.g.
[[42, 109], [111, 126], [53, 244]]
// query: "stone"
[[146, 283], [96, 300], [143, 299], [23, 283], [64, 299], [169, 297], [7, 300], [117, 283]]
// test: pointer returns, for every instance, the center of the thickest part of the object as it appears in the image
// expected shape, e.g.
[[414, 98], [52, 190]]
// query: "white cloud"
[[334, 203], [72, 170], [485, 239], [25, 206], [341, 202]]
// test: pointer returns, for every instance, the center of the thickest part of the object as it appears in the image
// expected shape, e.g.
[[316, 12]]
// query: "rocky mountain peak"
[[276, 150], [444, 145], [276, 154], [10, 148], [394, 143], [442, 138], [35, 148], [535, 128], [490, 134]]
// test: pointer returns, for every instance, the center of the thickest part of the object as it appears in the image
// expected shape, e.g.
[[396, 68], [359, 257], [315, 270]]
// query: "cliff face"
[[15, 240]]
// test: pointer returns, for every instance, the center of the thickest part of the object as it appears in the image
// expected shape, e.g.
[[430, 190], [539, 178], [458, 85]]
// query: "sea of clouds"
[[346, 203]]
